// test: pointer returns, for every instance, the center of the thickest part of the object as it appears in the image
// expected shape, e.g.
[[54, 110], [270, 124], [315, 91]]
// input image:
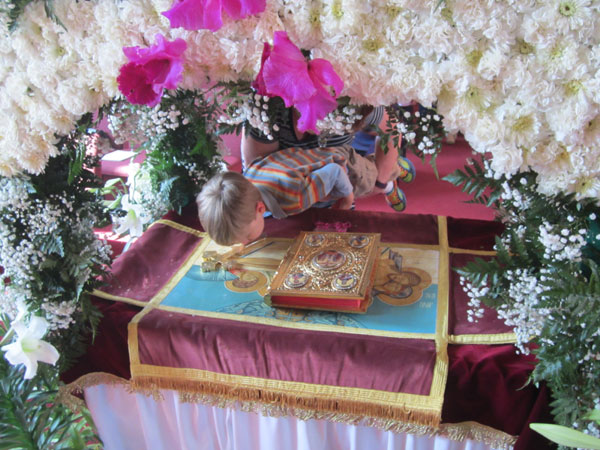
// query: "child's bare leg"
[[345, 203], [386, 163]]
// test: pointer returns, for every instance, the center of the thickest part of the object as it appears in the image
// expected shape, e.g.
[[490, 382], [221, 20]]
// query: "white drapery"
[[133, 421]]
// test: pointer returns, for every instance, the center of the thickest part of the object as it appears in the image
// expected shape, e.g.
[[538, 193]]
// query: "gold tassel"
[[272, 407], [310, 404]]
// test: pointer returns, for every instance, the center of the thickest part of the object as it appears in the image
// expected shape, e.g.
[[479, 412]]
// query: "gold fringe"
[[478, 432], [179, 227], [70, 394], [330, 407], [455, 431]]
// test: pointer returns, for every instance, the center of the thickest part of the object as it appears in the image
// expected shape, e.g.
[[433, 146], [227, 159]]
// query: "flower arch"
[[519, 78]]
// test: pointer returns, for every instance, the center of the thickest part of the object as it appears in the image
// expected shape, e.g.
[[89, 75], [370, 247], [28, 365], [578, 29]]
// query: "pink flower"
[[207, 14], [306, 85], [151, 71], [259, 82]]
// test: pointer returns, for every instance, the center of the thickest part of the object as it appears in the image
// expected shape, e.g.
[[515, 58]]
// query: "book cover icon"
[[327, 271]]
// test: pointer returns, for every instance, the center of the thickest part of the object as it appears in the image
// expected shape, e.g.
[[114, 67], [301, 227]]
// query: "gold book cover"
[[327, 271]]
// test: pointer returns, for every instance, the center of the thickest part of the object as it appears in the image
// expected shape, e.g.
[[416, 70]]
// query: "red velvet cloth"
[[287, 354], [488, 384], [473, 234], [140, 278], [457, 312], [485, 382]]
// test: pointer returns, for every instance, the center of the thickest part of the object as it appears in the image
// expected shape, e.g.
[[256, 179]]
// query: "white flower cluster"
[[520, 79], [561, 245], [418, 129], [27, 225], [339, 122], [475, 294], [141, 124], [524, 315], [519, 199], [59, 315], [253, 110]]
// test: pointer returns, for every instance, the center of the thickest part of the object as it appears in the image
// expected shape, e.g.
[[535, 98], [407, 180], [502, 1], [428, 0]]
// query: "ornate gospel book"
[[328, 271]]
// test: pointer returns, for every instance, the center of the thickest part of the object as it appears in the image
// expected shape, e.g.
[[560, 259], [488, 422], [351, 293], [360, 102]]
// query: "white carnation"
[[506, 159]]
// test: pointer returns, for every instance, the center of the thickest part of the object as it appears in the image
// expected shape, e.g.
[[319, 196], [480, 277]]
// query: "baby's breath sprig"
[[252, 109], [418, 130], [180, 140]]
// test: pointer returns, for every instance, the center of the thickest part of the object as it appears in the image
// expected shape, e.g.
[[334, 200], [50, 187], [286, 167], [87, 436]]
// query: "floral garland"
[[179, 136], [520, 78], [51, 258]]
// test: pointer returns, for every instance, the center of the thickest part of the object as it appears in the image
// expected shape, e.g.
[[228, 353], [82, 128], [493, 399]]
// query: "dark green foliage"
[[474, 182], [71, 263], [568, 344], [171, 156]]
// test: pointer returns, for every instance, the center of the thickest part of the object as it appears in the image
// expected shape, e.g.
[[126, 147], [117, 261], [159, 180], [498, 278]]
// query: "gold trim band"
[[335, 399], [500, 338]]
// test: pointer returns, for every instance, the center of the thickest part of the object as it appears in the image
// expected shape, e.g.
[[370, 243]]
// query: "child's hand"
[[345, 202]]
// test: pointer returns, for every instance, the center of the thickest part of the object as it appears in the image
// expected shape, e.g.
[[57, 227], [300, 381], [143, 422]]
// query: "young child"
[[231, 206]]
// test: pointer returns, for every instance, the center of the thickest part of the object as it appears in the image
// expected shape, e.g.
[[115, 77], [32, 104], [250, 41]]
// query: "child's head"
[[231, 209]]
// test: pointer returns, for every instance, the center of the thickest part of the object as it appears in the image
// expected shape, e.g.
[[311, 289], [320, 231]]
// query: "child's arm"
[[253, 149]]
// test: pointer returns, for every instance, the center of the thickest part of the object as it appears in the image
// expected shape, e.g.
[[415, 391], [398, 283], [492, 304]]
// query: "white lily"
[[133, 222], [29, 348]]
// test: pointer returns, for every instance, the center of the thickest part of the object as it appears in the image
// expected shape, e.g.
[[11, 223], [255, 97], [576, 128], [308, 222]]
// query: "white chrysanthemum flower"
[[561, 58], [549, 157], [340, 16], [400, 31], [569, 118], [302, 21], [576, 16], [537, 32], [470, 17], [491, 63], [506, 160], [486, 131], [437, 37], [522, 123], [503, 23]]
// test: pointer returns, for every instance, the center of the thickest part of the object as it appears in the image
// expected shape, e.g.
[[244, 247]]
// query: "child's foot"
[[396, 198], [407, 169]]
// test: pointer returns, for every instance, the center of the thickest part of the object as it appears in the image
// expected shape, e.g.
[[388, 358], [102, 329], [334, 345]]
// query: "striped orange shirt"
[[292, 176]]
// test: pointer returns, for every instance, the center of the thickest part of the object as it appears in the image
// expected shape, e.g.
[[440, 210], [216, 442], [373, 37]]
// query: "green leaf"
[[112, 182], [49, 9], [566, 436], [594, 415], [76, 163]]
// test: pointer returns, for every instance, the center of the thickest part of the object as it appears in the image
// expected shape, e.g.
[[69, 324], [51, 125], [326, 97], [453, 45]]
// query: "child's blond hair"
[[226, 205]]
